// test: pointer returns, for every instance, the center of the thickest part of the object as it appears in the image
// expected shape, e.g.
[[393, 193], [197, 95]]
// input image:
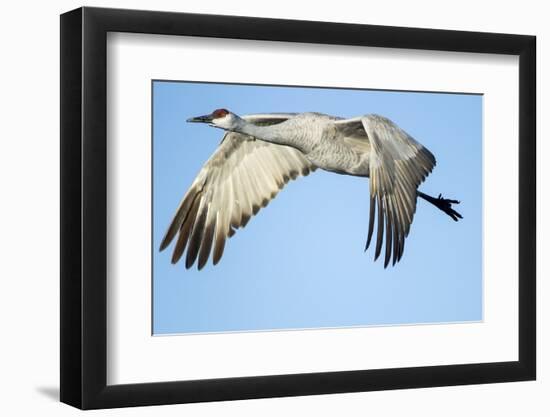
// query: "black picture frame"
[[84, 207]]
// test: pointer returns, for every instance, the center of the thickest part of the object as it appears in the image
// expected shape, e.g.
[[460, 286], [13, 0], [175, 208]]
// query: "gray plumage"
[[260, 153]]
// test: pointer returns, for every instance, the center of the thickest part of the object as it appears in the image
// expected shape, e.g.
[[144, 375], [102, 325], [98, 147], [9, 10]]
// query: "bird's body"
[[260, 153], [315, 135]]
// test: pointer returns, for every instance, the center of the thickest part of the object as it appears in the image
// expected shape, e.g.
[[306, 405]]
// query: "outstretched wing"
[[242, 176], [397, 166]]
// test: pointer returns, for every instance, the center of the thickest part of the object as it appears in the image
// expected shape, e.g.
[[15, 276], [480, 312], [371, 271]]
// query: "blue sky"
[[300, 262]]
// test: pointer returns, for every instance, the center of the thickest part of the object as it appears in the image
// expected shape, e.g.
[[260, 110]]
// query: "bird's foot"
[[445, 205]]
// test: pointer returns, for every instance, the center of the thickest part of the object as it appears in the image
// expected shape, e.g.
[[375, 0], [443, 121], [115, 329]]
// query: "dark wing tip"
[[168, 237], [176, 255], [164, 244], [189, 262], [380, 229]]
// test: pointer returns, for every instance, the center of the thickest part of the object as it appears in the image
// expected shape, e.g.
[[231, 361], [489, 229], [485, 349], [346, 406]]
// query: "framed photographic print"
[[258, 208]]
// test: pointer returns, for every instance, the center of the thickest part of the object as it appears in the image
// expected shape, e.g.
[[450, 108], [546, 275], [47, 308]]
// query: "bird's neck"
[[277, 133]]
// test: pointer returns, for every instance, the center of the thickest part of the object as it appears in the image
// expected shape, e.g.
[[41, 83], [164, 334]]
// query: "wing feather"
[[240, 178], [397, 166]]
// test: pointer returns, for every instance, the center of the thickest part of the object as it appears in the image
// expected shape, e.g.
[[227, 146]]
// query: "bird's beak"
[[200, 119]]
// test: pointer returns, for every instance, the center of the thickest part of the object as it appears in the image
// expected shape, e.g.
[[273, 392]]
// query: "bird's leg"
[[442, 204]]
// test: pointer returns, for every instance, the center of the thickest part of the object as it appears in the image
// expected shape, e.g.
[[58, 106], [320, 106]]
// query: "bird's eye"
[[219, 113]]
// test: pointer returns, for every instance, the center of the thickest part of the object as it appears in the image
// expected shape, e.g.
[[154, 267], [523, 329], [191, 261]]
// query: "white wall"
[[29, 172]]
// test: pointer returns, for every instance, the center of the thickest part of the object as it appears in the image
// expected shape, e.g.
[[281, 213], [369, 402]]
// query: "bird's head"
[[222, 118]]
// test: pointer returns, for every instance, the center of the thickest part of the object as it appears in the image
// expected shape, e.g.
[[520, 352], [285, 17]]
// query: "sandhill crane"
[[260, 153]]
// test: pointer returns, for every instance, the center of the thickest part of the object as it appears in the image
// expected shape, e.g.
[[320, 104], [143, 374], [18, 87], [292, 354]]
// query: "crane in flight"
[[260, 153]]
